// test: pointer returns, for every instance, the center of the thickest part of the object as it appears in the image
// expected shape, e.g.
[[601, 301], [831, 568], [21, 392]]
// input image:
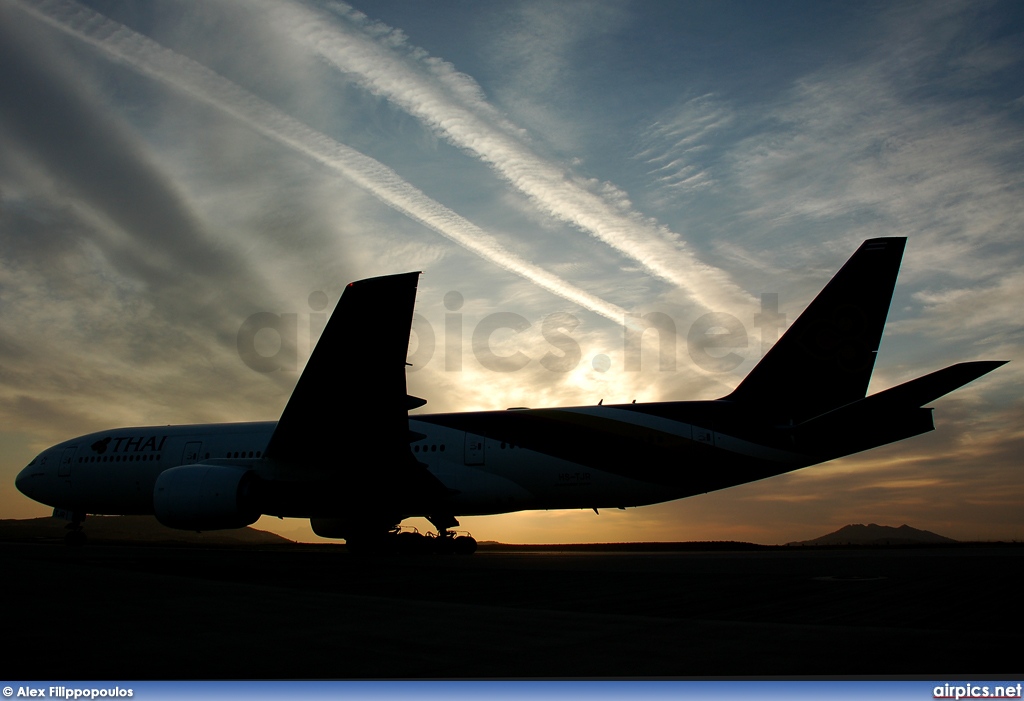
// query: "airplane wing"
[[352, 394]]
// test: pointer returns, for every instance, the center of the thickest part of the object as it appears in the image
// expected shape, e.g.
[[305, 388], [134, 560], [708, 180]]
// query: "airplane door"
[[474, 449], [191, 454], [66, 458]]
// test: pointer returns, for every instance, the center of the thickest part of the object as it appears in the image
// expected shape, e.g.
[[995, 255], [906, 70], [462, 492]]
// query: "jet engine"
[[205, 497]]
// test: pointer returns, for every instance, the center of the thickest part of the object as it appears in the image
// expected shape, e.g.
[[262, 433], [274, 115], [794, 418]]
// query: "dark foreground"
[[148, 612]]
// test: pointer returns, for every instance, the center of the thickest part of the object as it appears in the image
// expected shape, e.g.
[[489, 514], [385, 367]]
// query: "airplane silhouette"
[[346, 454]]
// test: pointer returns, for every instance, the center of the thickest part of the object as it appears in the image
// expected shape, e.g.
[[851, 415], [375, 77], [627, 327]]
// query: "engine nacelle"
[[205, 497]]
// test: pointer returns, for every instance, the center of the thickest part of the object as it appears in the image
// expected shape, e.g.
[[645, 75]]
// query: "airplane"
[[347, 455]]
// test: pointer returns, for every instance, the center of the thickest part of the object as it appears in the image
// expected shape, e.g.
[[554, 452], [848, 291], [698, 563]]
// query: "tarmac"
[[317, 612]]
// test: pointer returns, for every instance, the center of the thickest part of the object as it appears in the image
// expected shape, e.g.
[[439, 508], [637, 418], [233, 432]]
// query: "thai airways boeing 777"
[[346, 454]]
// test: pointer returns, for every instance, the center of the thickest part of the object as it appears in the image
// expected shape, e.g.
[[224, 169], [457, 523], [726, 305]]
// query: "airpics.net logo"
[[977, 691], [716, 342]]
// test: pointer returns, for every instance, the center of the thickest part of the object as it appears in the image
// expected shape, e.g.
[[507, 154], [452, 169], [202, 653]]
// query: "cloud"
[[917, 138], [892, 144], [78, 144], [203, 84], [382, 61], [957, 313], [106, 269], [674, 146], [537, 43]]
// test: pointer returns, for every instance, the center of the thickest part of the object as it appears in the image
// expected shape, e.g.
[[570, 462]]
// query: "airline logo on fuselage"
[[129, 444]]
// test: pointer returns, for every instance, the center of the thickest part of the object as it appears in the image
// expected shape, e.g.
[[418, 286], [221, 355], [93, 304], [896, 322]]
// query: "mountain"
[[135, 529], [873, 534]]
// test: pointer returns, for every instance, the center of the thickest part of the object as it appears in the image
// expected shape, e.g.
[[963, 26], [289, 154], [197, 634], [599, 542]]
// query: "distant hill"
[[137, 529], [873, 534]]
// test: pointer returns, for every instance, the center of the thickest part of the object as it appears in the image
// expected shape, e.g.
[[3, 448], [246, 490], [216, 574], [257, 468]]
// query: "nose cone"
[[32, 483]]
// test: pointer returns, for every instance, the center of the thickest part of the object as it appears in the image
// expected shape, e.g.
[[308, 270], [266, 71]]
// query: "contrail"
[[453, 105], [152, 59]]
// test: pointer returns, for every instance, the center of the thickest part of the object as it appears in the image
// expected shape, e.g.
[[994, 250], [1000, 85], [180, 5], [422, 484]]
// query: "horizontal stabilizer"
[[919, 392], [888, 416], [909, 395]]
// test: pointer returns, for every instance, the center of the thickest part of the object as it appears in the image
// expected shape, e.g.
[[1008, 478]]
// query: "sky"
[[170, 169]]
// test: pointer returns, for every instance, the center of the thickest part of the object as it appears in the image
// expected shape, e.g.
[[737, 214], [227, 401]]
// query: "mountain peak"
[[873, 534]]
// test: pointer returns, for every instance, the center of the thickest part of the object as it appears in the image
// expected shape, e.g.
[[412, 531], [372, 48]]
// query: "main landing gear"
[[411, 542], [454, 542], [447, 541]]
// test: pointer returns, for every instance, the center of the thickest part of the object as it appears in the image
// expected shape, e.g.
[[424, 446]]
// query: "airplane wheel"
[[464, 545]]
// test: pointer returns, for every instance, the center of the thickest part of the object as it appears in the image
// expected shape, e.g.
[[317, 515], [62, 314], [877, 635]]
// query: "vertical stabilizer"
[[824, 360]]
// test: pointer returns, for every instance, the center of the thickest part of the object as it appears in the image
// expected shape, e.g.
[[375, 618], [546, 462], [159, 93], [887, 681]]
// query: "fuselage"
[[491, 462]]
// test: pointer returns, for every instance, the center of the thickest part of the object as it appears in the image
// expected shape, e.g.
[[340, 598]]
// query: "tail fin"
[[824, 360]]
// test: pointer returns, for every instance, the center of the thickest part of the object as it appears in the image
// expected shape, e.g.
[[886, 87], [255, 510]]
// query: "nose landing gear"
[[75, 535]]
